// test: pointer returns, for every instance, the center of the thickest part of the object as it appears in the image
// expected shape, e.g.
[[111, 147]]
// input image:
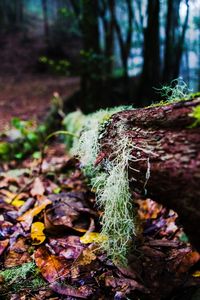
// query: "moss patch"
[[18, 278], [196, 115]]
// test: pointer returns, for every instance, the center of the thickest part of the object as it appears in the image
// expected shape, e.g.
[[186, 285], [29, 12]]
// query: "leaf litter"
[[50, 241]]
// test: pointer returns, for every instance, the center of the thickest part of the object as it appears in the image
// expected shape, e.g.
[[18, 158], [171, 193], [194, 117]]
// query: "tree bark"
[[151, 53], [166, 147], [171, 40], [45, 21]]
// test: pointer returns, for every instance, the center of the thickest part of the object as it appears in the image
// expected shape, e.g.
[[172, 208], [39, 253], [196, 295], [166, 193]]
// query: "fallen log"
[[167, 151]]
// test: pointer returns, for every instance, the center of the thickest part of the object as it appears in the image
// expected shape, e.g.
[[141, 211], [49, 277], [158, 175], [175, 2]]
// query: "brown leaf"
[[3, 245], [86, 257], [82, 292], [124, 283], [18, 254], [37, 188], [68, 247], [67, 212], [51, 266]]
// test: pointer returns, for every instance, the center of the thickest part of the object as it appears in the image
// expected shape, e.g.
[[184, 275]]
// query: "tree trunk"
[[108, 27], [151, 66], [166, 148], [171, 40], [45, 21], [180, 45], [91, 71]]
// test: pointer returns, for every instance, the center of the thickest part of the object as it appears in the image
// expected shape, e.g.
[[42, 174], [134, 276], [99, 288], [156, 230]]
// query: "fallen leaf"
[[18, 254], [68, 247], [15, 173], [37, 234], [129, 284], [86, 257], [67, 212], [93, 237], [196, 274], [13, 198], [3, 245], [51, 266], [27, 218], [37, 188], [188, 261], [82, 292]]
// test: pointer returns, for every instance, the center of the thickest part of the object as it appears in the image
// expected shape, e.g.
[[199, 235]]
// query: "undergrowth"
[[25, 137], [18, 278]]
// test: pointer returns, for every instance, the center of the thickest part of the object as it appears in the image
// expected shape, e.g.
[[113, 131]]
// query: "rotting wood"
[[166, 146]]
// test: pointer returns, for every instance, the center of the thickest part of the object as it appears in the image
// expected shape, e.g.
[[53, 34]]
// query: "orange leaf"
[[27, 218], [3, 245], [188, 261], [51, 266]]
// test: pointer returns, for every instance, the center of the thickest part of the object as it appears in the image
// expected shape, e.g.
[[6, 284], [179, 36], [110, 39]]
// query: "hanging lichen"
[[111, 184]]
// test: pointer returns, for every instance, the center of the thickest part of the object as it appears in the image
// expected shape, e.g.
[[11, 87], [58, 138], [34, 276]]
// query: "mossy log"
[[166, 151]]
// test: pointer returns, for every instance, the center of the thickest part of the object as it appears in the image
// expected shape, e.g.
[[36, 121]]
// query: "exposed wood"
[[162, 139]]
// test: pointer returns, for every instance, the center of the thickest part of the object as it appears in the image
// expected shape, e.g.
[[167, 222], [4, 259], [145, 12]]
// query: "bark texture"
[[162, 140]]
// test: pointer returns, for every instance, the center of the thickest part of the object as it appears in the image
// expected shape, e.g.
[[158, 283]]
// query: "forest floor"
[[29, 96], [24, 91], [50, 242]]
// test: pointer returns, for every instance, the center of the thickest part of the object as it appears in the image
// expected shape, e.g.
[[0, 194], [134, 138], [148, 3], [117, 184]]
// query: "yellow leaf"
[[196, 274], [17, 202], [37, 234], [27, 218], [80, 229], [93, 237]]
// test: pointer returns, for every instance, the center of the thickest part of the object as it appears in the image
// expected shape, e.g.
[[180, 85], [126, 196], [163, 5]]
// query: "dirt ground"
[[29, 97], [25, 92]]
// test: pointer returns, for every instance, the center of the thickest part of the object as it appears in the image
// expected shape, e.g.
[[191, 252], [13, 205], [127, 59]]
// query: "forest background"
[[123, 50]]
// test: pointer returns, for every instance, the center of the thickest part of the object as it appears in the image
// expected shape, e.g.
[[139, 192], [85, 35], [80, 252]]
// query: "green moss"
[[24, 276], [191, 96], [194, 95], [196, 115]]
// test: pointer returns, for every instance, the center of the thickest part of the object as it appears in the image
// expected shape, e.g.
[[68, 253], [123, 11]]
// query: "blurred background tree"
[[121, 49]]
